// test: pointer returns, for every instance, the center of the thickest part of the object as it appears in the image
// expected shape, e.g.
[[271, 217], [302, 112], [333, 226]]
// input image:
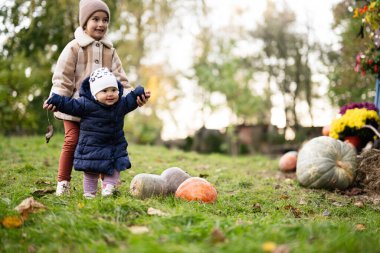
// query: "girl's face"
[[108, 96], [97, 25]]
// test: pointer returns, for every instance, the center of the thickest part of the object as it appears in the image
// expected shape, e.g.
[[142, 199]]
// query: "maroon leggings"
[[67, 153]]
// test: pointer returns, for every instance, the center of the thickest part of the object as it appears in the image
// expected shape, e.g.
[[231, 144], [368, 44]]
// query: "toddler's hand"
[[49, 107], [143, 99]]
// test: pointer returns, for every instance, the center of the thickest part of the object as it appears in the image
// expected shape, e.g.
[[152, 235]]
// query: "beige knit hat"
[[88, 7]]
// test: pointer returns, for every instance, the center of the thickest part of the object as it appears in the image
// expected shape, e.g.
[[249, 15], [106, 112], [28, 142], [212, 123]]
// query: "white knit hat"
[[101, 79], [88, 7]]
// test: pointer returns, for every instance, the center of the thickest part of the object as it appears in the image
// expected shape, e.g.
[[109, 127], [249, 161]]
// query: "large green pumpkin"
[[324, 162]]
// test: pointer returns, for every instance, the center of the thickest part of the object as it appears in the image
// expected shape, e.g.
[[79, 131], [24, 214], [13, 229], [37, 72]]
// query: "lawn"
[[258, 208]]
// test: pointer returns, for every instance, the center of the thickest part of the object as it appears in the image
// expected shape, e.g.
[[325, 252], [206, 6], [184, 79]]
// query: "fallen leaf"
[[360, 227], [283, 248], [43, 192], [302, 202], [338, 204], [80, 205], [153, 211], [32, 248], [295, 211], [359, 204], [257, 208], [12, 221], [46, 162], [49, 132], [268, 246], [217, 236], [138, 229], [354, 191], [42, 182], [29, 205]]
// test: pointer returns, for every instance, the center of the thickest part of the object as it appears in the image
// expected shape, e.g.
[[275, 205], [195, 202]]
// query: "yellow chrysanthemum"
[[354, 119]]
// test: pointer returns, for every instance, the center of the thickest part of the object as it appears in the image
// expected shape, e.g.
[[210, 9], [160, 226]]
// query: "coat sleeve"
[[129, 101], [63, 82], [72, 106]]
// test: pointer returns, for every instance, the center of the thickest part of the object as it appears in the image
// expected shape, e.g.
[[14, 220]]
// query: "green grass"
[[255, 205]]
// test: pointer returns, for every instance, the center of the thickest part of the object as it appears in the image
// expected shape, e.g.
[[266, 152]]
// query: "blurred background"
[[228, 76]]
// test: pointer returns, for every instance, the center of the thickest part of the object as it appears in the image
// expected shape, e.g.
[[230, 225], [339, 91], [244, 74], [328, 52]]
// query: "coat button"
[[97, 44], [97, 61]]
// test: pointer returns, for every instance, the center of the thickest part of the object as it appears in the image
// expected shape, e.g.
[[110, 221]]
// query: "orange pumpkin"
[[326, 130], [196, 189], [288, 161]]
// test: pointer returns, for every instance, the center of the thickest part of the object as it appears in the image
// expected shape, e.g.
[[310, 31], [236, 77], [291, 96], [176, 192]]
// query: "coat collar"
[[84, 39]]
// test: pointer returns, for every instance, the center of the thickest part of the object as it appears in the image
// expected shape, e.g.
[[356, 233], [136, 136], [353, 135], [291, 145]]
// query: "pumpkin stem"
[[346, 168]]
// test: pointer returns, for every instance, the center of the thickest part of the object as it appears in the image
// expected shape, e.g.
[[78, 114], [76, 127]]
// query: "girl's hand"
[[143, 99]]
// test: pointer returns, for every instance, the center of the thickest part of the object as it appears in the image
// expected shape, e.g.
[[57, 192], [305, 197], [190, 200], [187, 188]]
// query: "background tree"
[[285, 59], [138, 31], [346, 85], [218, 69], [34, 40]]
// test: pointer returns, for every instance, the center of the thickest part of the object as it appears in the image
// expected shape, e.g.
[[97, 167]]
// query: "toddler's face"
[[97, 25], [108, 96]]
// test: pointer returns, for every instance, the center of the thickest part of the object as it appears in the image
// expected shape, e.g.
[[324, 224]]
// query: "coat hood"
[[85, 90], [84, 39]]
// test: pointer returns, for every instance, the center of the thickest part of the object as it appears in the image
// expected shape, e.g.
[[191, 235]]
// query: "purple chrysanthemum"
[[367, 105]]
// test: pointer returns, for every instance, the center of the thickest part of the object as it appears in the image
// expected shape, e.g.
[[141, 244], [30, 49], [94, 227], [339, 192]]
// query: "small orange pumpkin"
[[326, 130], [288, 161], [196, 189]]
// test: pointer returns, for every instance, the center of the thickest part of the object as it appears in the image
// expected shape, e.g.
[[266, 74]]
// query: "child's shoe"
[[108, 190], [63, 188], [89, 195]]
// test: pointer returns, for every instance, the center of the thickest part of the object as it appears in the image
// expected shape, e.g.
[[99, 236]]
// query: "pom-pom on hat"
[[88, 7], [101, 79]]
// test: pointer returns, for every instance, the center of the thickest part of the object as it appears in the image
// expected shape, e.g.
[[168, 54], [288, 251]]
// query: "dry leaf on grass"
[[302, 202], [43, 192], [138, 229], [359, 204], [12, 221], [153, 211], [268, 246], [283, 248], [29, 205], [43, 182], [360, 227], [295, 211], [217, 236]]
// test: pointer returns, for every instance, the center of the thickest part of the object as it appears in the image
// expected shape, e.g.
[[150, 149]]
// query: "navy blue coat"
[[102, 147]]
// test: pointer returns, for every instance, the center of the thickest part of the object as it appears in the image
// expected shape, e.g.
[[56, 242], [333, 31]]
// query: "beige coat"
[[78, 59]]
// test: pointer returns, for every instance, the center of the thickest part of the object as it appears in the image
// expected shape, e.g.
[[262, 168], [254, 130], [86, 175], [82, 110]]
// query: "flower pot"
[[354, 141]]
